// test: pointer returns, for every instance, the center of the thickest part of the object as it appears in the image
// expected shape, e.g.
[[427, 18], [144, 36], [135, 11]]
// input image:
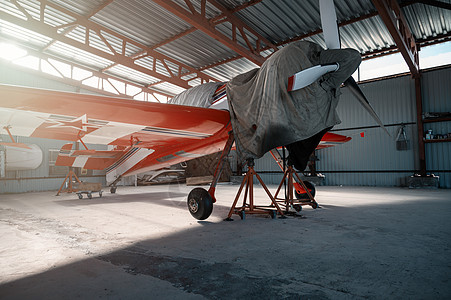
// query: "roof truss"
[[162, 67], [199, 20], [394, 19], [242, 39]]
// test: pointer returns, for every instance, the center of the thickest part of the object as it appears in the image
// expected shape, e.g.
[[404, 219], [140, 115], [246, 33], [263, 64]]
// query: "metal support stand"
[[70, 188], [290, 201], [250, 207]]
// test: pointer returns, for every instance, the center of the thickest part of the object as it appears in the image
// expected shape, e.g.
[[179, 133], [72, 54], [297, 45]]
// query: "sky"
[[431, 56]]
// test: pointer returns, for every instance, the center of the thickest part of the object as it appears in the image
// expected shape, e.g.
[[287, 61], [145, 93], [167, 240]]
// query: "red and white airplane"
[[144, 136]]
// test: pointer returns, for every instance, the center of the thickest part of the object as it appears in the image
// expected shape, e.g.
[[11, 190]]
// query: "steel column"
[[421, 149], [394, 19]]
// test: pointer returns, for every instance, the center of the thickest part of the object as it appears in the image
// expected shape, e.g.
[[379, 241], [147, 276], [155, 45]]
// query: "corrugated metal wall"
[[373, 160], [436, 90], [39, 178]]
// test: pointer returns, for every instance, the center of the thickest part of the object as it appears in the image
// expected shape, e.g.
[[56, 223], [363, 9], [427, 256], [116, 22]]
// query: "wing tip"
[[290, 83], [67, 146]]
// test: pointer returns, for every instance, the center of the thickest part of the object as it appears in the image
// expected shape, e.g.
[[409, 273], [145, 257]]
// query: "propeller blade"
[[332, 39], [308, 76], [329, 24], [357, 92]]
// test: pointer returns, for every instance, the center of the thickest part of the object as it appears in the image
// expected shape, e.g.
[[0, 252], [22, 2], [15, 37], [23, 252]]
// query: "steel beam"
[[171, 75], [199, 20], [394, 20], [435, 3], [69, 79], [216, 20], [68, 30], [372, 54], [297, 38]]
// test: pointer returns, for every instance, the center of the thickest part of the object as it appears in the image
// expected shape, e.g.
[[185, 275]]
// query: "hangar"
[[382, 229]]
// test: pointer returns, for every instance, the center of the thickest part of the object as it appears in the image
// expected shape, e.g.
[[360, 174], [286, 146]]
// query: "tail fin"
[[87, 159]]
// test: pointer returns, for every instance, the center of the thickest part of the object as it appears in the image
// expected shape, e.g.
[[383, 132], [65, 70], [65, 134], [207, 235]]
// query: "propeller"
[[310, 75], [329, 24], [332, 39], [357, 92]]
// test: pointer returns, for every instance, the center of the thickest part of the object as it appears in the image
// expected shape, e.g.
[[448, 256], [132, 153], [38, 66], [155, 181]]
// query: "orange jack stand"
[[290, 199], [250, 208], [70, 188]]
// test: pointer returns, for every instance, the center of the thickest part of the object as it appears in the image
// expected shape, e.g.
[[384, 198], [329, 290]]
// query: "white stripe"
[[22, 123], [128, 164], [111, 132], [80, 161]]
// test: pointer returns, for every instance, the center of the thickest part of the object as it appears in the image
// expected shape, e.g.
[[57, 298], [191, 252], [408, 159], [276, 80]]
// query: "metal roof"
[[116, 37]]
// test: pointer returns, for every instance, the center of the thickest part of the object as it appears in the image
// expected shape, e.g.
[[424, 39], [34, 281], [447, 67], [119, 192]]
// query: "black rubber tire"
[[297, 207], [273, 214], [113, 189], [309, 186], [200, 203]]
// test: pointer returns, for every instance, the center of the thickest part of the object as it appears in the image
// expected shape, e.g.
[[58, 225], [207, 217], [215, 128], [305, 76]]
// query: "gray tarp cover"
[[199, 96], [265, 115]]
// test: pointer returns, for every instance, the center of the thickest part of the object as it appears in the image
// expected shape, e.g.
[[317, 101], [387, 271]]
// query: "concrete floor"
[[142, 243]]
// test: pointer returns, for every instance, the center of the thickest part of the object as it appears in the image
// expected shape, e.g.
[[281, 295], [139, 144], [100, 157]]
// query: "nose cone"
[[20, 158]]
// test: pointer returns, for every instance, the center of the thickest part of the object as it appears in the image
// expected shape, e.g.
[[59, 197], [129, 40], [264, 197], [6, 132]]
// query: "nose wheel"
[[200, 203]]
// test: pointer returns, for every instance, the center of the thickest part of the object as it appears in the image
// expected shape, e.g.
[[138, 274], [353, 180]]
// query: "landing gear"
[[303, 195], [113, 186], [200, 203]]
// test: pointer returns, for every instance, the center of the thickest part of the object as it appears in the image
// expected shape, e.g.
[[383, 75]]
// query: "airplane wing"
[[145, 135]]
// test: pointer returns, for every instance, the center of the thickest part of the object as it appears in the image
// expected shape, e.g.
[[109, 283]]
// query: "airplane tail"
[[114, 162], [87, 159]]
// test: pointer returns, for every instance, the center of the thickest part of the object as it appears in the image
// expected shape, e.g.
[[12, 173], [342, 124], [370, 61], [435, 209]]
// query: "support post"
[[290, 199], [70, 188], [9, 133], [250, 207], [393, 18], [421, 147]]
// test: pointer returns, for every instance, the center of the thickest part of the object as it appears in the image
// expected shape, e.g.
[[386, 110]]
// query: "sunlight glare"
[[11, 52]]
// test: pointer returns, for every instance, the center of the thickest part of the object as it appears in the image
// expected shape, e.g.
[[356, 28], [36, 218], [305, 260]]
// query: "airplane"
[[205, 119]]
